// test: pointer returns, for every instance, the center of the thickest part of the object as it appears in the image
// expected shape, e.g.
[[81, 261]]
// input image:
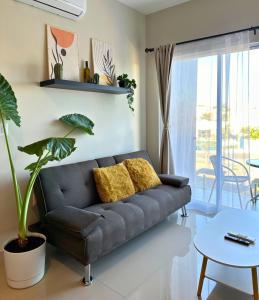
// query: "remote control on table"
[[237, 240], [240, 236]]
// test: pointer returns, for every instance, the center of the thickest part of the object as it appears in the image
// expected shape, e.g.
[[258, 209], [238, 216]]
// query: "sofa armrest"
[[73, 220], [177, 181]]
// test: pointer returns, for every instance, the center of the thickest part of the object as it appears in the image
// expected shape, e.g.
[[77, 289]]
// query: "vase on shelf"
[[58, 71], [87, 73], [122, 84]]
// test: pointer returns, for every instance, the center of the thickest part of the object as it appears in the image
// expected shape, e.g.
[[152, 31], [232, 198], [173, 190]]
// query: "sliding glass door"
[[211, 120], [194, 121], [254, 111]]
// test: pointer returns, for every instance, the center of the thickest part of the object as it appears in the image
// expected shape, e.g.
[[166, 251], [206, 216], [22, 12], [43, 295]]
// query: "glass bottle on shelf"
[[87, 73]]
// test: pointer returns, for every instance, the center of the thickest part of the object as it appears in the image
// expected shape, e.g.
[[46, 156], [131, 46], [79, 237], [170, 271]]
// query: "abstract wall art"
[[103, 62], [63, 60]]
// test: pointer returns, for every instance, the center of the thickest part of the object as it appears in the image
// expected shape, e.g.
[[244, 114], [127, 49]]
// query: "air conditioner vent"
[[72, 9]]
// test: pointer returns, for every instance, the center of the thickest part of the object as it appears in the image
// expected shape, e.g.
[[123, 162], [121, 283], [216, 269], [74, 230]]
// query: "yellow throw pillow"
[[113, 183], [142, 174]]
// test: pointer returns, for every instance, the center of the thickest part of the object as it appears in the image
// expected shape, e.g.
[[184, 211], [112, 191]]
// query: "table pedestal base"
[[245, 280]]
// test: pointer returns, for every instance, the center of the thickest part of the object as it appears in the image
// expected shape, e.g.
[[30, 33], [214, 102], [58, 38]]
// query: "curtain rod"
[[147, 50]]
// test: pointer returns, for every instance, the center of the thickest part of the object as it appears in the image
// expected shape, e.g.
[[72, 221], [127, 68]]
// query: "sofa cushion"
[[181, 195], [137, 154], [113, 183], [122, 214], [167, 203], [122, 221], [150, 207], [126, 219], [106, 161], [63, 185], [142, 174]]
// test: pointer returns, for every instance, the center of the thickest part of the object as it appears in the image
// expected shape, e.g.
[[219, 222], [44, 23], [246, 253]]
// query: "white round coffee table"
[[211, 244]]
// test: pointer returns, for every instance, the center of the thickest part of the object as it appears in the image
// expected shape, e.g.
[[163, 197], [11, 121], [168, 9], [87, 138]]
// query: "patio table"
[[255, 164]]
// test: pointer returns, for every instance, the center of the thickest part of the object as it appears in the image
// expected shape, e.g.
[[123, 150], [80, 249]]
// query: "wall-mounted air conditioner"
[[72, 9]]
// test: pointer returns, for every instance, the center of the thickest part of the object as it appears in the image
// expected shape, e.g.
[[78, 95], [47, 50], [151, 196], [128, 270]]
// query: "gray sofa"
[[75, 220]]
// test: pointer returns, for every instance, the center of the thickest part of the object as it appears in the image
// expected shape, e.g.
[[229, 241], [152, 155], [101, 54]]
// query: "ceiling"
[[149, 6]]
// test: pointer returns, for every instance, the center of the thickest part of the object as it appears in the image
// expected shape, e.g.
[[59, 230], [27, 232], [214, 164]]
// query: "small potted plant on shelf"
[[131, 85], [24, 256]]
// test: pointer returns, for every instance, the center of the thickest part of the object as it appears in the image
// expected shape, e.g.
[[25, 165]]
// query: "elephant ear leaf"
[[8, 102], [79, 121], [31, 167], [55, 148]]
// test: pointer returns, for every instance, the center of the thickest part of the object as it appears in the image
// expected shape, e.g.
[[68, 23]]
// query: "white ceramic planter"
[[27, 268]]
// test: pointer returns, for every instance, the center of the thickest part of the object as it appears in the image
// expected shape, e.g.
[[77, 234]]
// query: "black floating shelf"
[[81, 86]]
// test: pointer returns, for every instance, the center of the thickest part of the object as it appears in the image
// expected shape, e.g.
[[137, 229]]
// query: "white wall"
[[190, 20], [23, 61]]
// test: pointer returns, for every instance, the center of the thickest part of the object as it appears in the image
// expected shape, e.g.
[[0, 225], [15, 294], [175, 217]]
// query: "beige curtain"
[[164, 56]]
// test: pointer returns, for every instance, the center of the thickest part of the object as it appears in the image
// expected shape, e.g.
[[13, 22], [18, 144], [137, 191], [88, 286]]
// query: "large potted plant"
[[24, 256]]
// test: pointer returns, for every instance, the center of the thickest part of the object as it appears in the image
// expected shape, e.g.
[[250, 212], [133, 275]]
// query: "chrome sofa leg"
[[184, 212], [88, 279]]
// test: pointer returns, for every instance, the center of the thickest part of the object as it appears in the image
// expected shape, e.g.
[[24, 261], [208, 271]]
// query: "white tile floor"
[[161, 264]]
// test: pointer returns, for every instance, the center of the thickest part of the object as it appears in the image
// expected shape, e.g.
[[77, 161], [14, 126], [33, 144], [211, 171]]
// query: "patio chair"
[[233, 178], [205, 173], [255, 185]]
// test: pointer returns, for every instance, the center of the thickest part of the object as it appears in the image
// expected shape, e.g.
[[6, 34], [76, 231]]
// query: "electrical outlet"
[[2, 128]]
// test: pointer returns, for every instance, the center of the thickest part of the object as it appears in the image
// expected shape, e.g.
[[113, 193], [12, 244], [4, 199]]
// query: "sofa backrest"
[[73, 184]]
